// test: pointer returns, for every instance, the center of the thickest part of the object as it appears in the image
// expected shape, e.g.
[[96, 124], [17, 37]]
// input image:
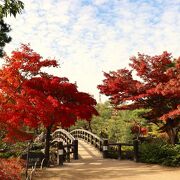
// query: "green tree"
[[8, 7], [99, 124], [119, 128], [112, 124]]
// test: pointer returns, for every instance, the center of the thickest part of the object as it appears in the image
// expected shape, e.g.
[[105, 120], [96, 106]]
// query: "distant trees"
[[7, 7], [157, 88], [100, 124], [112, 124]]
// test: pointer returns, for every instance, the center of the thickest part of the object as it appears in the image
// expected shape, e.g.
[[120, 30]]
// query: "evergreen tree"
[[8, 7]]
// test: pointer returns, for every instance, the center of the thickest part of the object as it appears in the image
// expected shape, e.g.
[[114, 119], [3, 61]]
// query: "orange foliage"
[[31, 97], [11, 169]]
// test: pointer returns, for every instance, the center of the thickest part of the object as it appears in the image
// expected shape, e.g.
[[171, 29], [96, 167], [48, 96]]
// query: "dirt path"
[[91, 166]]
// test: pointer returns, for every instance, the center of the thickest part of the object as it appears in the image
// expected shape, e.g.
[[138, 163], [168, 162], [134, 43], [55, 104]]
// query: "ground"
[[91, 166]]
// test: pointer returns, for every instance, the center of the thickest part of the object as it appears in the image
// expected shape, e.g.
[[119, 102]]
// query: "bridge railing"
[[63, 145], [103, 144], [62, 134], [118, 146], [88, 137], [68, 141]]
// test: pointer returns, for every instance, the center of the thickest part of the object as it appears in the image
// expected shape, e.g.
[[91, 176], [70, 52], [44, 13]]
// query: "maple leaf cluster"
[[31, 97], [139, 130], [155, 86], [11, 168]]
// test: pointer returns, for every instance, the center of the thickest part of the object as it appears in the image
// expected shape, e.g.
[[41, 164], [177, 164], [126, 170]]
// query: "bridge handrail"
[[90, 133], [63, 144], [121, 144], [58, 140], [89, 137], [134, 144], [64, 132]]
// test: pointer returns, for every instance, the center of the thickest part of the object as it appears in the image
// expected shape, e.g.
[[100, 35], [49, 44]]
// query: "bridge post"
[[95, 142], [75, 152], [60, 154], [105, 148], [136, 150], [119, 152], [68, 153]]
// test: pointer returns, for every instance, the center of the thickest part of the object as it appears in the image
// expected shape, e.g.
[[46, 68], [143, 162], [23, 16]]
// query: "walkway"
[[91, 166]]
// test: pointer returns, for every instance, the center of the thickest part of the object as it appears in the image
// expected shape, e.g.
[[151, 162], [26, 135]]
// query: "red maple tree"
[[32, 98], [156, 86], [58, 102], [22, 65]]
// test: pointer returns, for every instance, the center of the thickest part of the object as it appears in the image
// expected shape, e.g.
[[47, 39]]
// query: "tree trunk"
[[89, 126], [47, 145], [172, 128], [173, 135]]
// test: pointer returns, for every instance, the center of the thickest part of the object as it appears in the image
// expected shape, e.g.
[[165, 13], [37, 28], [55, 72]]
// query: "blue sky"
[[88, 37]]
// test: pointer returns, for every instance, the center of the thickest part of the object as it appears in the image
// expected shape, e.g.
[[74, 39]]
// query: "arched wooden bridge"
[[80, 143], [70, 142], [92, 162], [89, 160]]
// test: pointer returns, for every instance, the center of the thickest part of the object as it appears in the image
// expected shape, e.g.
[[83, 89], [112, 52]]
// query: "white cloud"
[[89, 37], [99, 2]]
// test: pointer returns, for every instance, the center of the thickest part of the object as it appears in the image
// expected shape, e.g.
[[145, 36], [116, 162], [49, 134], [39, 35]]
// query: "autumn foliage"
[[14, 103], [30, 97], [138, 130], [11, 169], [155, 86]]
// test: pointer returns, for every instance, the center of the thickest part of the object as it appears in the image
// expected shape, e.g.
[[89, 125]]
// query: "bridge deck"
[[87, 151], [91, 166]]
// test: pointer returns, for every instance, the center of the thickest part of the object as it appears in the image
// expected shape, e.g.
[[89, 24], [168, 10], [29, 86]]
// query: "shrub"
[[159, 152], [11, 169], [6, 154]]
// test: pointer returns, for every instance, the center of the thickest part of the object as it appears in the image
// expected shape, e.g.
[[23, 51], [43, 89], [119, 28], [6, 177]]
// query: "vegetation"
[[159, 152], [120, 126], [9, 7], [32, 98], [112, 124], [11, 169], [157, 88]]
